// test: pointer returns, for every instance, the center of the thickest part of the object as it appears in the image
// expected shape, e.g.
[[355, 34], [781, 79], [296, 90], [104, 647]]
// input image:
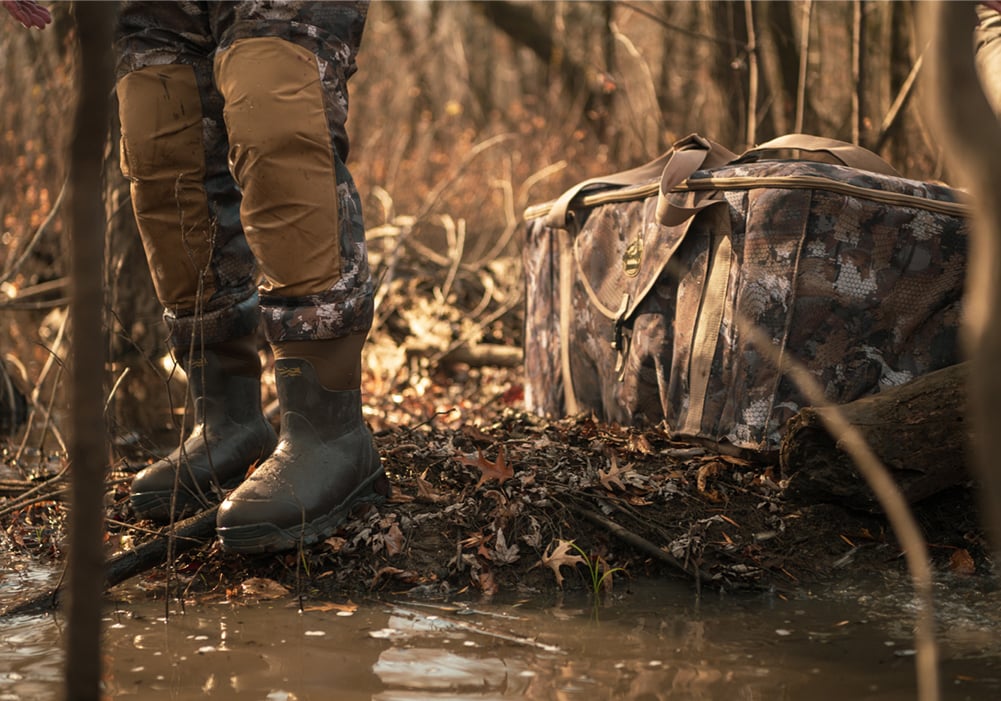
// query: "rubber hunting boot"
[[229, 436], [325, 463]]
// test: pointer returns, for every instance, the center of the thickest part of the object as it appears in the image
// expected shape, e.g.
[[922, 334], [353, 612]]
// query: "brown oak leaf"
[[558, 556], [611, 477], [498, 470]]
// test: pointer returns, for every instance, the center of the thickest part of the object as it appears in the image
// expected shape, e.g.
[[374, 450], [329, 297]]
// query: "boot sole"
[[258, 538], [155, 506]]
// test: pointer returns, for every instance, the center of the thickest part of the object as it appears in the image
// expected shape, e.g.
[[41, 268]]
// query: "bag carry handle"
[[694, 152], [560, 215], [691, 154], [685, 157], [841, 151]]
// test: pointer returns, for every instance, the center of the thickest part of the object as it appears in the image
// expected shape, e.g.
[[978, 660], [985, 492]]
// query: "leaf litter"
[[487, 498]]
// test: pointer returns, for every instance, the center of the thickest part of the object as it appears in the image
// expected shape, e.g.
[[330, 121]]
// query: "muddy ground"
[[487, 499]]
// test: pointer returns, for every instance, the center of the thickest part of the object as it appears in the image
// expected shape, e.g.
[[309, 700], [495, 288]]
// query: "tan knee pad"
[[163, 156], [281, 154]]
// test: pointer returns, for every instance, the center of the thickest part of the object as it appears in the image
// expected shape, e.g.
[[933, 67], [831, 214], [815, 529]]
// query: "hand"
[[28, 12]]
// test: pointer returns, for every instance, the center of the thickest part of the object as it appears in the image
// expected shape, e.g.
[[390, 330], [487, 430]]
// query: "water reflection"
[[652, 644]]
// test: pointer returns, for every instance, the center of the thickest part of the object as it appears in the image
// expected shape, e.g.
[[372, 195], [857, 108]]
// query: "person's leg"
[[186, 203], [282, 71]]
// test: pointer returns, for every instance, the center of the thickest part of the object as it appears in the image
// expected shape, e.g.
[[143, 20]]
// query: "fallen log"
[[918, 430], [186, 535]]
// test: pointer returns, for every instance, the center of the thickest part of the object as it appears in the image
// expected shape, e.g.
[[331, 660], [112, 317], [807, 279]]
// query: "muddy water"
[[653, 642]]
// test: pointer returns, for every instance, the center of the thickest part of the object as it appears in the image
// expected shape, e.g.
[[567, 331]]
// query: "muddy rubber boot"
[[325, 463], [230, 434]]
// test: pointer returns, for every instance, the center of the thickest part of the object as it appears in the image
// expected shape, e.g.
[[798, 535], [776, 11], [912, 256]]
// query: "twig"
[[435, 195], [36, 390], [752, 76], [804, 54], [856, 98], [114, 389], [477, 630], [49, 423], [456, 243], [30, 494], [16, 265], [903, 95], [635, 540], [469, 335], [188, 533], [722, 41]]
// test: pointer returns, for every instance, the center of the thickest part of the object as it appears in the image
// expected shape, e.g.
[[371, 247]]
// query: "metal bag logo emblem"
[[631, 258], [288, 372]]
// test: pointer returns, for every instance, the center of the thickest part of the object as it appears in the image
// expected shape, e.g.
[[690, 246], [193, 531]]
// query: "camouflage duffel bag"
[[638, 286]]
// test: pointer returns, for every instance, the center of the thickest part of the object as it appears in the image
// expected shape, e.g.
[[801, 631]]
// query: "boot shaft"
[[304, 401], [224, 379], [336, 362]]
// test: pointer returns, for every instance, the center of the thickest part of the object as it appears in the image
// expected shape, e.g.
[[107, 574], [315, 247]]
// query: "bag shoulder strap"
[[841, 151]]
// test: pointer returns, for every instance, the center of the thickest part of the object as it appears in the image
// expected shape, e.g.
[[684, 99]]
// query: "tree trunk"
[[918, 431], [87, 452]]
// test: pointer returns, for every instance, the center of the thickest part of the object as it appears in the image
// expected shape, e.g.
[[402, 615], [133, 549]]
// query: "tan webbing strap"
[[688, 158], [708, 324], [559, 213], [685, 157], [844, 153], [570, 406]]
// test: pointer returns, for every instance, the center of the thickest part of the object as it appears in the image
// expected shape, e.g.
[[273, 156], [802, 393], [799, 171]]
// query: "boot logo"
[[289, 372]]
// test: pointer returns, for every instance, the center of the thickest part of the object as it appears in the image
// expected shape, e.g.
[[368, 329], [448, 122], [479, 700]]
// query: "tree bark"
[[87, 452], [918, 431]]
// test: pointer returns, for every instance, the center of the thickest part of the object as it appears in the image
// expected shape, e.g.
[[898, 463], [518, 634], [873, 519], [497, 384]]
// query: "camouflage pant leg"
[[174, 151], [308, 238]]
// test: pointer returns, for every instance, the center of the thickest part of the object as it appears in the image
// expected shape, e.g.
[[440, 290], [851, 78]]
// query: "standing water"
[[654, 641]]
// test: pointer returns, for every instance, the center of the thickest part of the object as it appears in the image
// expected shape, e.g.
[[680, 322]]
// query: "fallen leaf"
[[734, 460], [263, 588], [513, 395], [393, 538], [426, 492], [611, 477], [398, 497], [326, 606], [534, 536], [503, 553], [407, 576], [558, 556], [336, 543], [477, 539], [709, 469], [486, 582], [639, 444], [498, 470], [961, 562]]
